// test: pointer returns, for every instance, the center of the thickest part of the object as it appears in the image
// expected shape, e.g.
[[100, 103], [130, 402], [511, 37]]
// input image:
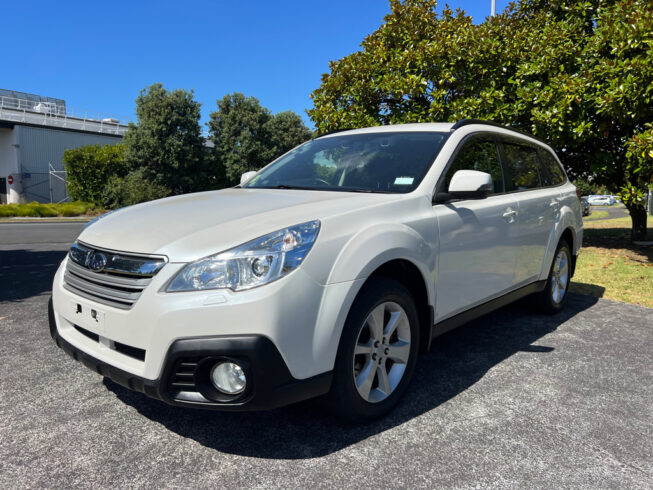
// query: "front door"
[[477, 237]]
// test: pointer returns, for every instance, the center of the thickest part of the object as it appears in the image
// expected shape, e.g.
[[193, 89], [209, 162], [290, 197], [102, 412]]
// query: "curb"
[[27, 219]]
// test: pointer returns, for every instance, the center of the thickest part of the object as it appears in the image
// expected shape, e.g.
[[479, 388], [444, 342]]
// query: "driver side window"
[[478, 154]]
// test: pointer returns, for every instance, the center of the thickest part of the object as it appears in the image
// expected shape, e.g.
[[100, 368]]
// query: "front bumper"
[[185, 377]]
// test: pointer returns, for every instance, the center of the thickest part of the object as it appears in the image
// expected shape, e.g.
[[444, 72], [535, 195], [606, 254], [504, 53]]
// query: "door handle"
[[554, 204], [509, 215]]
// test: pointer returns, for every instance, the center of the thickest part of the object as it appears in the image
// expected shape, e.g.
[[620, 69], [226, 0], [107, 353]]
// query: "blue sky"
[[98, 55]]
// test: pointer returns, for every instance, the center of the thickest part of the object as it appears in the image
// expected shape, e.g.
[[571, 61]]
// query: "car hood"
[[192, 226]]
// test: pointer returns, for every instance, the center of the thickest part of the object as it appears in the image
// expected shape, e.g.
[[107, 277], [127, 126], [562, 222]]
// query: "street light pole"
[[494, 8]]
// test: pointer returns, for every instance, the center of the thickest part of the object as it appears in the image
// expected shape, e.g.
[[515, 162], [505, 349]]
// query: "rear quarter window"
[[550, 170]]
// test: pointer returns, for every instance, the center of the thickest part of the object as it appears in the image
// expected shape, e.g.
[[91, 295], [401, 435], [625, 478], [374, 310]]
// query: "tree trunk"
[[638, 217]]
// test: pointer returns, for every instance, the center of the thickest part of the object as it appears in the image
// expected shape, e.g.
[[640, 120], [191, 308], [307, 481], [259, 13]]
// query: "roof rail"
[[467, 122]]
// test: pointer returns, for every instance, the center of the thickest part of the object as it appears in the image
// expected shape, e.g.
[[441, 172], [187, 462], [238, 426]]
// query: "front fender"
[[372, 247], [366, 251]]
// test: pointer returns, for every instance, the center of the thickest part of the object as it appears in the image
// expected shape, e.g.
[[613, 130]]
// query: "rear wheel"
[[554, 295], [377, 352]]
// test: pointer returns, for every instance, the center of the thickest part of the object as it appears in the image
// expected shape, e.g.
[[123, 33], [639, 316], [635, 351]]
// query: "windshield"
[[375, 162]]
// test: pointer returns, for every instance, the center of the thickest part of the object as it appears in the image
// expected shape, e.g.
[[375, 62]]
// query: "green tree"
[[578, 74], [247, 136], [132, 188], [286, 130], [584, 187], [88, 169], [167, 142]]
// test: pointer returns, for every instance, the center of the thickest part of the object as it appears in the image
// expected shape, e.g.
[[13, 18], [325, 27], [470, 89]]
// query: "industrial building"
[[34, 133]]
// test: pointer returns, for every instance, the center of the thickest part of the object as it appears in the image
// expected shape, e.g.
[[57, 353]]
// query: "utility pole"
[[494, 8]]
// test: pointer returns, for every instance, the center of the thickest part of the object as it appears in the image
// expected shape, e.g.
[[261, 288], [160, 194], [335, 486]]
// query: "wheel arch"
[[398, 252], [569, 236], [394, 251], [409, 275]]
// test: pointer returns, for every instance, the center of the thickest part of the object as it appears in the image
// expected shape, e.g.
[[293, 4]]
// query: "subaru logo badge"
[[98, 262]]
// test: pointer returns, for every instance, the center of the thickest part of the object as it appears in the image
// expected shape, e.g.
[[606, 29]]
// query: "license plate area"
[[87, 316]]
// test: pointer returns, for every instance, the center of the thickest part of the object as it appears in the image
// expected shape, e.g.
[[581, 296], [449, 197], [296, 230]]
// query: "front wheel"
[[554, 295], [377, 353]]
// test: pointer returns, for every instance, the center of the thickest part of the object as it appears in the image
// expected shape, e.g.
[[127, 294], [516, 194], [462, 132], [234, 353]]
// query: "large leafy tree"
[[247, 136], [167, 145], [578, 74]]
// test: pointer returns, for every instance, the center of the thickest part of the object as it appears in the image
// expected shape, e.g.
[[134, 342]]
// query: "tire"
[[366, 349], [552, 299]]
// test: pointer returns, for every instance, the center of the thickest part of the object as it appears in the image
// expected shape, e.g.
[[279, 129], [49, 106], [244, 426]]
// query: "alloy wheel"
[[560, 277], [382, 351]]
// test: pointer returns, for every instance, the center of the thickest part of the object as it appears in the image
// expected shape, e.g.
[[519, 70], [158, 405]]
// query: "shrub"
[[43, 210], [40, 210], [89, 168], [75, 208], [131, 189]]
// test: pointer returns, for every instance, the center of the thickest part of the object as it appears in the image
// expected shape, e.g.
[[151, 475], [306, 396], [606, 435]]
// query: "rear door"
[[477, 237], [539, 207]]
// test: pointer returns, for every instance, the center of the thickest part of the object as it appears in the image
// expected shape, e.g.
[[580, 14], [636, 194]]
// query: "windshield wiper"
[[328, 189], [286, 186]]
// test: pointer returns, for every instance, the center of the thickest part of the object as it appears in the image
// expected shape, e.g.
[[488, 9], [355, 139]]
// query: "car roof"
[[433, 126], [394, 128]]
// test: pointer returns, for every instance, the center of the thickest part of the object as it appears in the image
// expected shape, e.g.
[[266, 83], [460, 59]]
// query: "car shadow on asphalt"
[[456, 362], [27, 273]]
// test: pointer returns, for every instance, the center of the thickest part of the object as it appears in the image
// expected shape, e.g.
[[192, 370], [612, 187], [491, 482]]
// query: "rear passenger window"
[[520, 167], [550, 170], [481, 155]]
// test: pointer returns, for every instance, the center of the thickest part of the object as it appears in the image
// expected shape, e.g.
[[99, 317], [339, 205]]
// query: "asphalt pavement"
[[513, 399], [616, 211]]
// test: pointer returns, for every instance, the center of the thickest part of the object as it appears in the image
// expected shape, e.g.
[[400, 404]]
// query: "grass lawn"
[[41, 210], [597, 215], [609, 266]]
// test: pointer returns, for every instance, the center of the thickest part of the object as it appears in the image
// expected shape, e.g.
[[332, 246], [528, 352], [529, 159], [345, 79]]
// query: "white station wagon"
[[325, 273]]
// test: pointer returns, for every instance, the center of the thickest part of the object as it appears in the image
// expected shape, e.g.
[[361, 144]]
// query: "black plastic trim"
[[485, 308], [271, 385]]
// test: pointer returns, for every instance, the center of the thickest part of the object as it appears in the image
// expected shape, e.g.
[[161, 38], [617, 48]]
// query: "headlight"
[[252, 264]]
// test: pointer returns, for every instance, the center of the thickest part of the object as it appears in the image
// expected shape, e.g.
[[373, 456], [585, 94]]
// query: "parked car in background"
[[600, 200], [585, 205], [325, 273]]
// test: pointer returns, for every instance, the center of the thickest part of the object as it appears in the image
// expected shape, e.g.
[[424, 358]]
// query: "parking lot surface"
[[513, 399]]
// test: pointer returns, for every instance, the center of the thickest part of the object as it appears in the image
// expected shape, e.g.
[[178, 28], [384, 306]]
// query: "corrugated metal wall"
[[40, 147]]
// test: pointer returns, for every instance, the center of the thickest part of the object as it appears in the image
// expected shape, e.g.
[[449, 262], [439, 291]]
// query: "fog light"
[[228, 377]]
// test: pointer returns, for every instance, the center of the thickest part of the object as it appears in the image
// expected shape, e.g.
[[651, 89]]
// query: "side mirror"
[[467, 184], [247, 176]]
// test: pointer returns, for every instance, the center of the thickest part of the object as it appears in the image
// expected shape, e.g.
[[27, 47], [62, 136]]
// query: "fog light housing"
[[229, 378]]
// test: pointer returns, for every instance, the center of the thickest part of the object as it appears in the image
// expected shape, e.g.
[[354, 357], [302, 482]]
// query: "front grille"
[[112, 278]]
